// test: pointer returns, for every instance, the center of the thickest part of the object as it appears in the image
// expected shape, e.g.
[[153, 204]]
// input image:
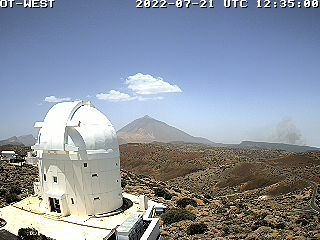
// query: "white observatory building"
[[79, 194], [79, 164]]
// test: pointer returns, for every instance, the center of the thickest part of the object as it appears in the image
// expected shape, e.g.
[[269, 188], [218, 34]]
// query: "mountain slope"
[[147, 129], [11, 141], [26, 140]]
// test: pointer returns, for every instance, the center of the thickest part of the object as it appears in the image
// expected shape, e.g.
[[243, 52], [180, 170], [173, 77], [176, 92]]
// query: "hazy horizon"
[[118, 129], [228, 75]]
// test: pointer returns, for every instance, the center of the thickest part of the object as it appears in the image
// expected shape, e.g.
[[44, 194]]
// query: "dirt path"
[[313, 204], [314, 185]]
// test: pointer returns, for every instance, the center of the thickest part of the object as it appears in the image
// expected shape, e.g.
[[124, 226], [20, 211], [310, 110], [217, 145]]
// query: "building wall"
[[91, 180]]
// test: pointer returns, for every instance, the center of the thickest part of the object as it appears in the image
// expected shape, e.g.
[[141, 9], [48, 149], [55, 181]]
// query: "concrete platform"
[[27, 213]]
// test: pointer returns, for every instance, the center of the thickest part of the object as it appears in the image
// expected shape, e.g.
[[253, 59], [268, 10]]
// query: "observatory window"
[[44, 177], [55, 179], [96, 198], [72, 201], [85, 164], [95, 175]]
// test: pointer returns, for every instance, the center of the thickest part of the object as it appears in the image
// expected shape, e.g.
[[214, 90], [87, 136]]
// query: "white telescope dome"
[[77, 126]]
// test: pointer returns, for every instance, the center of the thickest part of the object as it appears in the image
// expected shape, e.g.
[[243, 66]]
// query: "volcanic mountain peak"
[[148, 129]]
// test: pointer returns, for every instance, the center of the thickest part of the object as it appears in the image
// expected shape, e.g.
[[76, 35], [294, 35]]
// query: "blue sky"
[[224, 74]]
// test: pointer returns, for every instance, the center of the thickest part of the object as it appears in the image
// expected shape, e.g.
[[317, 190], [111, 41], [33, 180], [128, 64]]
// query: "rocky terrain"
[[16, 182], [230, 193], [221, 171], [169, 161], [240, 194], [248, 215]]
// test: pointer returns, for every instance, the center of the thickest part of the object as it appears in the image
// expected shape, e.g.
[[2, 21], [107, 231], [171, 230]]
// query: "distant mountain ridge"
[[24, 140], [279, 146], [147, 129]]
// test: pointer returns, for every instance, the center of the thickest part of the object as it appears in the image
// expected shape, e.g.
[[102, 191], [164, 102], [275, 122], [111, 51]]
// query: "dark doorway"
[[54, 205]]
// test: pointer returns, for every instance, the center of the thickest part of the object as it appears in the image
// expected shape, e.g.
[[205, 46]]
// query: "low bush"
[[197, 228], [177, 215], [27, 234], [15, 190], [31, 234], [123, 183], [2, 192], [159, 192], [167, 196], [162, 192], [183, 202], [12, 197], [208, 196]]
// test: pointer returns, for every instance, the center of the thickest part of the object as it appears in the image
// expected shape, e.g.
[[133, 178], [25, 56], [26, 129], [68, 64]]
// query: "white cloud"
[[140, 98], [54, 99], [142, 85], [145, 84], [115, 96]]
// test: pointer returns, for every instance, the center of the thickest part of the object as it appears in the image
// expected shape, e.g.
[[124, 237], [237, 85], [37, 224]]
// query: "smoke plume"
[[287, 132]]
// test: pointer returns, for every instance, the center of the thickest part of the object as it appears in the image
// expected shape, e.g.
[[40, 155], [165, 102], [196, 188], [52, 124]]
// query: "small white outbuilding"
[[79, 164], [7, 155]]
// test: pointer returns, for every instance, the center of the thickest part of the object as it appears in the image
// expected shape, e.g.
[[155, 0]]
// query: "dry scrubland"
[[240, 194], [215, 191], [16, 182], [221, 171]]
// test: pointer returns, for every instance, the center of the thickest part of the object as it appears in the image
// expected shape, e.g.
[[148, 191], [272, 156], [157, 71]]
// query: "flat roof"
[[8, 152]]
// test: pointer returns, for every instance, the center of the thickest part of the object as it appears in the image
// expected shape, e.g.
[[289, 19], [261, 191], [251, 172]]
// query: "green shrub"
[[226, 230], [281, 225], [15, 190], [167, 196], [31, 234], [12, 197], [27, 234], [2, 192], [161, 192], [177, 215], [123, 183], [208, 196], [183, 202], [197, 228]]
